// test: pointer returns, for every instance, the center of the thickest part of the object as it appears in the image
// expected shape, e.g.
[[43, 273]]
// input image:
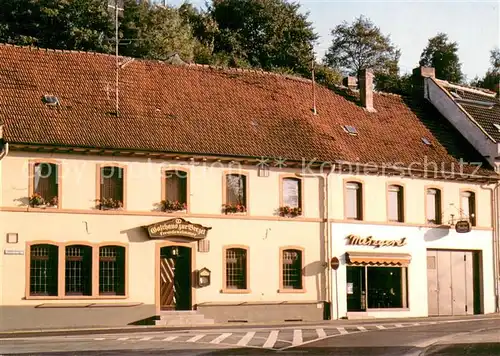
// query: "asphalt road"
[[445, 338]]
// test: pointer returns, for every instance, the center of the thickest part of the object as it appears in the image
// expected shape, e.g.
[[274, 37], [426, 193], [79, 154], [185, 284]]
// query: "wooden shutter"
[[112, 183]]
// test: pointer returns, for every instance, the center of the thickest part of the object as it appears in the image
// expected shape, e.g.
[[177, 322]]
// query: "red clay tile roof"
[[207, 111], [485, 117]]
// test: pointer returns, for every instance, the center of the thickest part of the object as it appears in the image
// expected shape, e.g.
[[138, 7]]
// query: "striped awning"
[[378, 259]]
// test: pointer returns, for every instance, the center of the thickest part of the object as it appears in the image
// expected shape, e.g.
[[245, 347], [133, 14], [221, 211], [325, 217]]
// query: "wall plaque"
[[370, 241], [9, 251], [462, 226], [177, 228]]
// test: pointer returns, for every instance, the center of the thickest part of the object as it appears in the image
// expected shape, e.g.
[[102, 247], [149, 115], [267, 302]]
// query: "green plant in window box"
[[233, 208], [109, 204], [289, 211], [169, 205]]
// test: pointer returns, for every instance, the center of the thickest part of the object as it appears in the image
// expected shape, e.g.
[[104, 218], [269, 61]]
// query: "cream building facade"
[[223, 200]]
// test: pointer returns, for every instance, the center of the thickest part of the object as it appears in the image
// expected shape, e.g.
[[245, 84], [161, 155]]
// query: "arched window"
[[292, 269], [354, 201], [43, 270], [468, 205], [78, 270], [433, 208], [112, 270], [236, 268], [396, 203]]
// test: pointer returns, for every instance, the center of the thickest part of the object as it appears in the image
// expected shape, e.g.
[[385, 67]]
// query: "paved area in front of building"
[[363, 339]]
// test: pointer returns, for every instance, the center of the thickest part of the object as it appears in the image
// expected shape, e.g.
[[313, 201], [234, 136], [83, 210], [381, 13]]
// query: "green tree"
[[442, 54], [155, 32], [269, 34], [491, 79], [62, 24], [361, 45]]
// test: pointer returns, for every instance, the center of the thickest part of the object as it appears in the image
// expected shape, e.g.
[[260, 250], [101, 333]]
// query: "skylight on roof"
[[50, 100], [497, 126], [426, 141], [351, 130], [455, 95]]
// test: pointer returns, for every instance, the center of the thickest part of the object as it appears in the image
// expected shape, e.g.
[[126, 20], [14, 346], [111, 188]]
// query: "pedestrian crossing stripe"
[[277, 339]]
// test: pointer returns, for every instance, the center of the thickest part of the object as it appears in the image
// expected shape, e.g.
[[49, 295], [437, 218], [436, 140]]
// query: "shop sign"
[[335, 263], [177, 228], [462, 226], [370, 241]]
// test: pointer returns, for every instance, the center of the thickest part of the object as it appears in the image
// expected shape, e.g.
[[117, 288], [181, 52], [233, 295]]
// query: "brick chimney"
[[350, 82], [418, 79], [366, 89]]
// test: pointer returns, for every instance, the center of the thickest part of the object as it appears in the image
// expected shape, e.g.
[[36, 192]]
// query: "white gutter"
[[496, 248]]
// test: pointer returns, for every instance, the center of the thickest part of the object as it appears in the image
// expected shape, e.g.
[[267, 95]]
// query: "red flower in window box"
[[233, 208], [36, 200], [109, 203], [168, 205], [289, 211]]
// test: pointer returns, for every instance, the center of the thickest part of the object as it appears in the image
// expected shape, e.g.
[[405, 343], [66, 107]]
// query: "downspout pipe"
[[328, 241], [496, 248]]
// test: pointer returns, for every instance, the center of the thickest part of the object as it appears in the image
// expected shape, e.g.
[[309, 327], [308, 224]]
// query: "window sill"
[[291, 291], [235, 291], [42, 208], [76, 297]]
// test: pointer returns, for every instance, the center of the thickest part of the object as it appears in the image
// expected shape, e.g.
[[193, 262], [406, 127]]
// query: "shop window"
[[236, 268], [112, 270], [175, 190], [43, 270], [45, 185], [236, 193], [292, 269], [371, 287], [354, 201], [433, 209], [396, 203], [111, 193], [78, 270], [468, 205], [292, 194]]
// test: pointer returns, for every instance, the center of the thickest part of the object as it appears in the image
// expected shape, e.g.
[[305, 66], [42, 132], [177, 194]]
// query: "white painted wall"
[[418, 241]]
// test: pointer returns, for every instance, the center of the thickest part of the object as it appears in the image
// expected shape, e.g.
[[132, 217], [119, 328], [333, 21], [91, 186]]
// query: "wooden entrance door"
[[175, 278]]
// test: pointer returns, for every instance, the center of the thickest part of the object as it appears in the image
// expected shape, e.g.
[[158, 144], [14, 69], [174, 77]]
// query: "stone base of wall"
[[60, 316], [263, 312]]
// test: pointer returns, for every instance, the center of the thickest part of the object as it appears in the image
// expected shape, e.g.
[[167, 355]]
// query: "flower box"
[[168, 206], [37, 201], [109, 204], [288, 211], [233, 208]]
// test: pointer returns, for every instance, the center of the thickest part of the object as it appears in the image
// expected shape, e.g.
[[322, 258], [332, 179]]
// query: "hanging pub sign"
[[462, 226], [177, 228]]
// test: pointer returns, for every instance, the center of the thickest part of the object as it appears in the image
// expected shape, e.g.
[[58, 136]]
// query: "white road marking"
[[399, 325], [123, 338], [297, 337], [146, 338], [342, 331], [246, 339], [170, 338], [271, 340], [380, 327], [99, 339], [196, 338], [220, 338], [361, 328], [321, 333]]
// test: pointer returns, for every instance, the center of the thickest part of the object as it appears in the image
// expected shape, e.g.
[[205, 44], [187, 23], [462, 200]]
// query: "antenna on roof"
[[313, 86], [117, 10]]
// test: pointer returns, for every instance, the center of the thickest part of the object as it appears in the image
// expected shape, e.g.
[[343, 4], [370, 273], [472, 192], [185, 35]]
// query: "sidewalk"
[[152, 328]]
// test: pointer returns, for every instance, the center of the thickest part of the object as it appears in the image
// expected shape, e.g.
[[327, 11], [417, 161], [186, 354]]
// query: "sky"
[[473, 24]]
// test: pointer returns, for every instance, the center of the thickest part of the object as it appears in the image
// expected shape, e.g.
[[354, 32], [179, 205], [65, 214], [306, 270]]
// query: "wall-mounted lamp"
[[12, 238], [175, 251]]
